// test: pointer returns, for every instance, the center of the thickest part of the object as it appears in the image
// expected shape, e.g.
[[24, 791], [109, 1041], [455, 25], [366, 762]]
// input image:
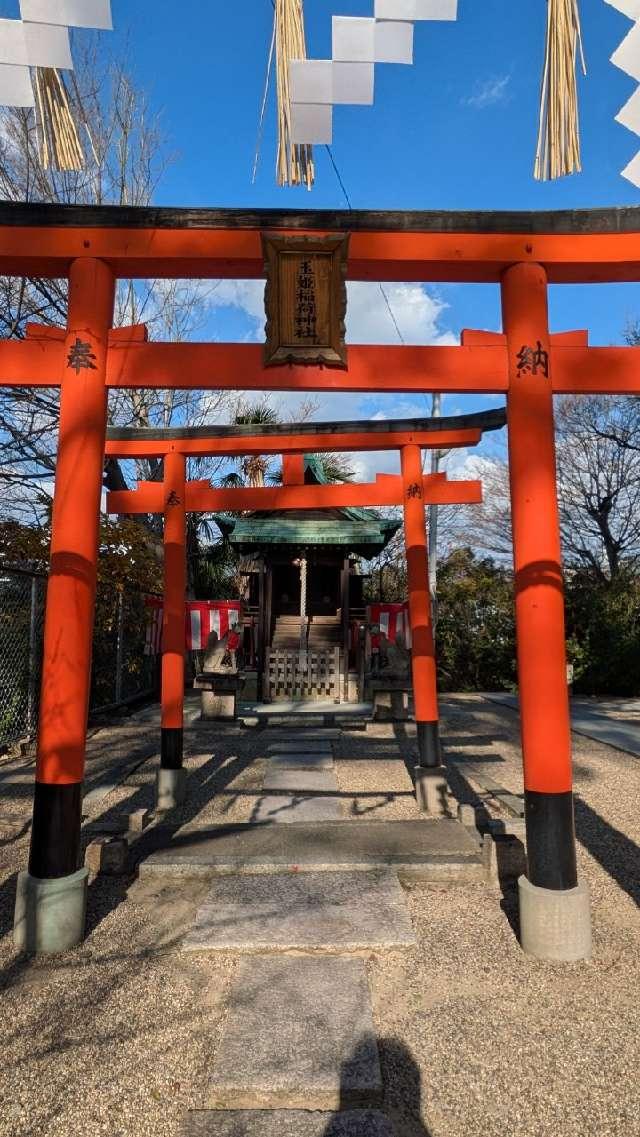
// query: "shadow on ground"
[[402, 1093]]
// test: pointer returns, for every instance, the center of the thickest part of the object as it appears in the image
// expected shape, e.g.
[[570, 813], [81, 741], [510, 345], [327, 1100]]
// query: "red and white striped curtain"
[[393, 620], [206, 616], [201, 618]]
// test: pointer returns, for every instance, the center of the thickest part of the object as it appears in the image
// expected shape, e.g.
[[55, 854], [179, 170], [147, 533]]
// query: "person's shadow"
[[393, 1110]]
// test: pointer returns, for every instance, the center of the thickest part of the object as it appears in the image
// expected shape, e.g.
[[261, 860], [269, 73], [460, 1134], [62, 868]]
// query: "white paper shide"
[[348, 78], [627, 58], [40, 38]]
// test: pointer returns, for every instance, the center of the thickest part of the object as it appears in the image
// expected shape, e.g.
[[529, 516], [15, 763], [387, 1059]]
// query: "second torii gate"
[[175, 497]]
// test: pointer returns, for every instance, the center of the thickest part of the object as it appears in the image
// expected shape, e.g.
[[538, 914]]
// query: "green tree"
[[603, 629], [476, 634]]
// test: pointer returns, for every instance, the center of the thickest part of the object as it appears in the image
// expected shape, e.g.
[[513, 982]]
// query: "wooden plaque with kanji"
[[305, 300]]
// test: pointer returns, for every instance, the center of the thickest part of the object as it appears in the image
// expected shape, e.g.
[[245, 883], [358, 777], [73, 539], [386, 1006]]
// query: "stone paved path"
[[299, 1033], [299, 794], [615, 722], [289, 1123], [308, 912]]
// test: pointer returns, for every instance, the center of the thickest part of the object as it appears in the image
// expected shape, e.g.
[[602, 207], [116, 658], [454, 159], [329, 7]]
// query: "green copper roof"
[[360, 531]]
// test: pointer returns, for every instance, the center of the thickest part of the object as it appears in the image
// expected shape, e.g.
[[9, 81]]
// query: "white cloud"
[[245, 296], [489, 92], [370, 319], [370, 312]]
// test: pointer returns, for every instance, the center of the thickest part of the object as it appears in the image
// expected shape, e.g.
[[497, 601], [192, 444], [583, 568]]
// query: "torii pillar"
[[430, 775], [51, 896], [554, 906], [171, 777]]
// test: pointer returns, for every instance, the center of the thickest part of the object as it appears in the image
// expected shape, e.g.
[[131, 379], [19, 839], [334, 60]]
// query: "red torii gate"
[[93, 246], [175, 497]]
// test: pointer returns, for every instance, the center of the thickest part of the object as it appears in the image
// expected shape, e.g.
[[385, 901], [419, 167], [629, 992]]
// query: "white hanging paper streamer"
[[372, 41], [311, 81], [416, 9], [15, 86], [352, 84], [313, 124], [632, 171], [629, 116], [41, 39], [627, 58], [69, 13], [358, 43], [630, 8], [34, 45], [393, 41], [353, 39], [328, 82]]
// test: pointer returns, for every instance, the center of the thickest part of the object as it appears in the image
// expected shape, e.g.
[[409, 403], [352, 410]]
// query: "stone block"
[[286, 1123], [305, 734], [298, 808], [291, 762], [138, 820], [299, 781], [390, 705], [50, 914], [312, 912], [431, 850], [218, 705], [432, 790], [303, 745], [171, 789], [299, 1036], [555, 925], [250, 693], [353, 687], [108, 856], [504, 857], [467, 815]]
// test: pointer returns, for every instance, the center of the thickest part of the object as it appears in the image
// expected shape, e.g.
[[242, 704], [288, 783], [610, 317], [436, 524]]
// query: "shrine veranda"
[[522, 252]]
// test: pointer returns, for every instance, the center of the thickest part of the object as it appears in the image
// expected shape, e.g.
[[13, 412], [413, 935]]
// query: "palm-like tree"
[[252, 470]]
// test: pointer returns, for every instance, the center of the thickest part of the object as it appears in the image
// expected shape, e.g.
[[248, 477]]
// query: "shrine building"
[[306, 587]]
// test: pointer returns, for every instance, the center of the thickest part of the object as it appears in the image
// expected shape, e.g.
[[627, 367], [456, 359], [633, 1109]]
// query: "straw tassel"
[[60, 145], [294, 164], [558, 150]]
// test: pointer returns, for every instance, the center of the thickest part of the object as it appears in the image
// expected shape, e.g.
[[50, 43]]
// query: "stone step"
[[315, 721], [302, 761], [304, 733], [298, 782], [308, 745], [288, 809], [299, 1036], [285, 1123], [303, 912], [436, 851]]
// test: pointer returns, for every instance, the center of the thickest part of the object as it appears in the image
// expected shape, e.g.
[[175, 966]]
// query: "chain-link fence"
[[121, 673], [22, 597]]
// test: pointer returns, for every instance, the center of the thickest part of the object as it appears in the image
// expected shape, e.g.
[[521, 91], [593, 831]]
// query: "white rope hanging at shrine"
[[627, 58], [358, 43], [39, 40]]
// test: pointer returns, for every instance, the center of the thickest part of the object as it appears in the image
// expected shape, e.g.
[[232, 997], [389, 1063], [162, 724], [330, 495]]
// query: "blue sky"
[[454, 131]]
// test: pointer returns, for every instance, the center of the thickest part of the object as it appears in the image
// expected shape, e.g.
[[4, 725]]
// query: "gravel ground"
[[475, 1038]]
